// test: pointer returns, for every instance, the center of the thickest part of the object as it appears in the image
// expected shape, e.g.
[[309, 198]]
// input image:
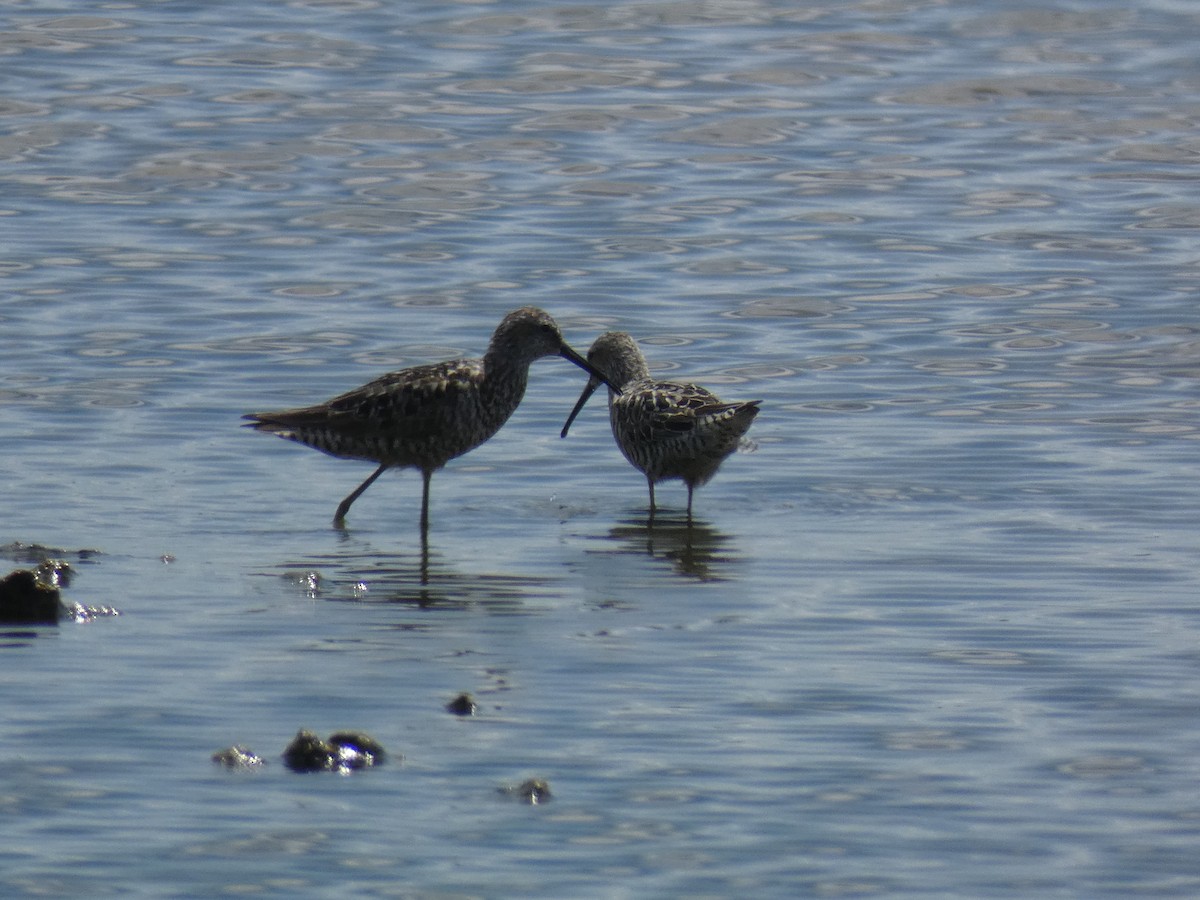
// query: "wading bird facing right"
[[425, 416]]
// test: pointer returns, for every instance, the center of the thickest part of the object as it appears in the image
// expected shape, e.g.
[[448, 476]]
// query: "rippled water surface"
[[934, 634]]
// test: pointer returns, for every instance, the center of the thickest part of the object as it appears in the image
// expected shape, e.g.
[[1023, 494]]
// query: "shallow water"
[[934, 635]]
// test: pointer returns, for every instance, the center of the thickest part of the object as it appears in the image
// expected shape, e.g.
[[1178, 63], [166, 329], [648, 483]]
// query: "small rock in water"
[[462, 705], [344, 752], [308, 753], [54, 572], [356, 750], [238, 757], [31, 597], [25, 599]]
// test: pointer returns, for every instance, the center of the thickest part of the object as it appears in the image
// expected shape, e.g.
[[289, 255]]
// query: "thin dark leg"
[[426, 475], [344, 506], [650, 481]]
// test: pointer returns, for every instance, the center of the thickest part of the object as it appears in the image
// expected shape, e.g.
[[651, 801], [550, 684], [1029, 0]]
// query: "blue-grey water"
[[935, 634]]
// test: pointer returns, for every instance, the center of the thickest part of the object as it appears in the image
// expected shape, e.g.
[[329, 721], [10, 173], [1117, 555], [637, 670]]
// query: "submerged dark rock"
[[19, 551], [533, 791], [462, 705], [238, 757], [309, 581]]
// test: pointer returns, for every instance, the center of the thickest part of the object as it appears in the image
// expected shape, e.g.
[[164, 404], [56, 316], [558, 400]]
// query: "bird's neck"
[[504, 378]]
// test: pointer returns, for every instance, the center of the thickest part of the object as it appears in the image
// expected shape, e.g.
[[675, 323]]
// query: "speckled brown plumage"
[[425, 416], [665, 429]]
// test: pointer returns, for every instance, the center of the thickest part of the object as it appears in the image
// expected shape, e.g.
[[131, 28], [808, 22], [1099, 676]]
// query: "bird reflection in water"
[[694, 548], [424, 582], [422, 568]]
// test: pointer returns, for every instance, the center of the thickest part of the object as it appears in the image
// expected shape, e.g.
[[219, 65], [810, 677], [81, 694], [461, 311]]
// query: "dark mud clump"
[[462, 705], [26, 600], [31, 596], [345, 751], [308, 753]]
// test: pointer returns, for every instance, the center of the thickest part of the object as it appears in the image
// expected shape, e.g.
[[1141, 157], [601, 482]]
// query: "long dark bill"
[[592, 384], [567, 353]]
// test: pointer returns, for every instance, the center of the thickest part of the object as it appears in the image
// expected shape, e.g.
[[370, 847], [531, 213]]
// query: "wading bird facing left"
[[665, 429], [425, 416]]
